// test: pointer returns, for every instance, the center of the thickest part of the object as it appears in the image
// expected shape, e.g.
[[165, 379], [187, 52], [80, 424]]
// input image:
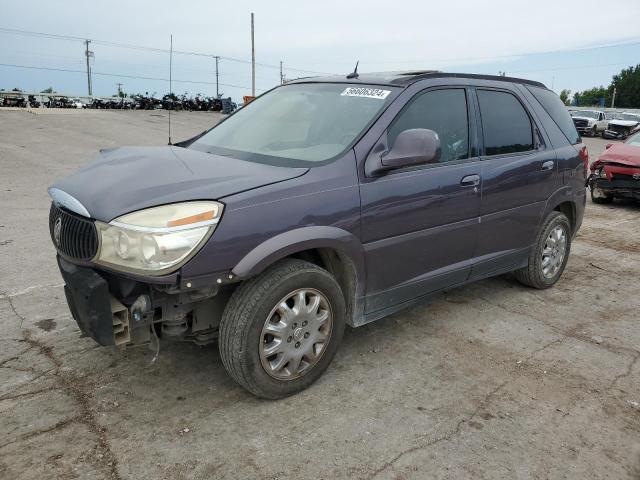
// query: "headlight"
[[157, 240], [601, 173]]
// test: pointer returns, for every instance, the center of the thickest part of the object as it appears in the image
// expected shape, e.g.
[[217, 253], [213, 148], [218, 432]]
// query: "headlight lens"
[[157, 240], [601, 173]]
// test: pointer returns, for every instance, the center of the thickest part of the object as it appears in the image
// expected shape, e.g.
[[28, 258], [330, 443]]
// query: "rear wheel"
[[598, 196], [549, 255], [281, 329]]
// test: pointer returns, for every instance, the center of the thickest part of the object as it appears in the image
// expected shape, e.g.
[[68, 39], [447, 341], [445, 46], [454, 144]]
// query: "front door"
[[419, 225]]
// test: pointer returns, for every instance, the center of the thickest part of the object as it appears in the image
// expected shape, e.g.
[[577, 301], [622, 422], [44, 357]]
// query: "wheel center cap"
[[298, 334]]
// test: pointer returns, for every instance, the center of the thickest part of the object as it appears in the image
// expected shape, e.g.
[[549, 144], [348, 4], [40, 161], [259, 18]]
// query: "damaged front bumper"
[[615, 134], [622, 188], [117, 311]]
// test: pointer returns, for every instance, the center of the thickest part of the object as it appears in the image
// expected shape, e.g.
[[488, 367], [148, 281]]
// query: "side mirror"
[[416, 146], [608, 145]]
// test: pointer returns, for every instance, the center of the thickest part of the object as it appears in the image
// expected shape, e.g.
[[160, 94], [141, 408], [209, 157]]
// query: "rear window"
[[557, 111], [505, 124]]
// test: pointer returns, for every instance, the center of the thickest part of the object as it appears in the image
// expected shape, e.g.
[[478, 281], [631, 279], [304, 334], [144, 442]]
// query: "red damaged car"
[[616, 173]]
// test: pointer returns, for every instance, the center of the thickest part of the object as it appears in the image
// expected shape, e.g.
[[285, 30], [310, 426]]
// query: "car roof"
[[406, 78]]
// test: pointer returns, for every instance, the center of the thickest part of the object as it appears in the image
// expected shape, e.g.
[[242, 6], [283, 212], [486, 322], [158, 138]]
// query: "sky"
[[565, 44]]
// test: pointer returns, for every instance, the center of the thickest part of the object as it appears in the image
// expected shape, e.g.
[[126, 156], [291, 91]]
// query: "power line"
[[629, 42], [118, 75], [553, 69], [129, 46]]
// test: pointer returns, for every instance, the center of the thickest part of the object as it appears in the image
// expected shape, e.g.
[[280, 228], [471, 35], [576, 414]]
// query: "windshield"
[[584, 113], [297, 124]]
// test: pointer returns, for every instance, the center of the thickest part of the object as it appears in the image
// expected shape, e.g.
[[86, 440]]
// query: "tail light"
[[584, 155]]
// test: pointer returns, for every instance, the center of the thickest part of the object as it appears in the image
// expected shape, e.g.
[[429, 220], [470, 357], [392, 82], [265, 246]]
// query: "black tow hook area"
[[89, 301]]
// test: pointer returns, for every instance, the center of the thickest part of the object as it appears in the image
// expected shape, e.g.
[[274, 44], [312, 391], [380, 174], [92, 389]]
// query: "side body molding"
[[300, 239]]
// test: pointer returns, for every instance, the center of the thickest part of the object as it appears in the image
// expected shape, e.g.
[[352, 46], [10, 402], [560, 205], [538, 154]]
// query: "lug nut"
[[304, 324], [297, 344], [289, 339]]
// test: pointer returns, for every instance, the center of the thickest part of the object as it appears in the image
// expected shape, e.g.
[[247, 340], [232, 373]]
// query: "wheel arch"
[[563, 201], [331, 248]]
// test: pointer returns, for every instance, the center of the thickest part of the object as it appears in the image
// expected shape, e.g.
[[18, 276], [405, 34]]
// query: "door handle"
[[548, 165], [470, 180]]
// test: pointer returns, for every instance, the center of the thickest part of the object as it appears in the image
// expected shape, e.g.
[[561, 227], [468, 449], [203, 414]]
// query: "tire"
[[534, 274], [602, 199], [594, 131], [255, 309]]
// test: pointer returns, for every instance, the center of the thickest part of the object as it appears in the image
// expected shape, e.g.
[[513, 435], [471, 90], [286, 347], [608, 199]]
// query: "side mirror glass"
[[416, 146]]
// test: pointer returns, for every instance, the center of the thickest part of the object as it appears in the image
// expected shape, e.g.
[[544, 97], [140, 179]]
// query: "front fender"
[[298, 240]]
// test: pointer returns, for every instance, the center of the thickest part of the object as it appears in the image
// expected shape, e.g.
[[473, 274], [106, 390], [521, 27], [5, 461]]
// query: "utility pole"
[[281, 76], [119, 89], [217, 59], [613, 98], [88, 53], [253, 61]]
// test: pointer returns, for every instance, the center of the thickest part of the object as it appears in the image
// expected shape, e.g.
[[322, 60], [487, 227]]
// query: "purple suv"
[[325, 202]]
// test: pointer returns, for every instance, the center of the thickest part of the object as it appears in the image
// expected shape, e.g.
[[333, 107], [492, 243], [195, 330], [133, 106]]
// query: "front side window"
[[443, 111], [506, 127], [298, 124]]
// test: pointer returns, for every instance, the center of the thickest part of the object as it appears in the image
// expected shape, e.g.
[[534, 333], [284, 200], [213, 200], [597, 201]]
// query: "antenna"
[[354, 74], [170, 89]]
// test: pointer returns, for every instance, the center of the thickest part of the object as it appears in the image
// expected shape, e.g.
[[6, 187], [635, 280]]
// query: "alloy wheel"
[[296, 334], [554, 251]]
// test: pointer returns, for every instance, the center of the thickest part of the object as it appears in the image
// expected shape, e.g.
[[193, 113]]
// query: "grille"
[[580, 123], [77, 237]]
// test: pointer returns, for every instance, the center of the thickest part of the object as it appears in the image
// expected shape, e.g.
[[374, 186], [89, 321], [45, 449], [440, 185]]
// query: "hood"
[[578, 117], [621, 154], [127, 179], [624, 123]]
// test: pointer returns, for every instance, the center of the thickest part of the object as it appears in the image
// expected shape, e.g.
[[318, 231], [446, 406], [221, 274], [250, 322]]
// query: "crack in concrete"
[[13, 308], [625, 374], [76, 387], [27, 394], [15, 357], [570, 333], [61, 424], [456, 431]]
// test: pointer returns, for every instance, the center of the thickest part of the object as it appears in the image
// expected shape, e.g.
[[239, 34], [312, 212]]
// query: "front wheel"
[[549, 254], [281, 329]]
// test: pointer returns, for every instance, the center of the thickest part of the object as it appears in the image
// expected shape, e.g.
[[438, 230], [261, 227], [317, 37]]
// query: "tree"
[[564, 96], [48, 90], [593, 97], [627, 85]]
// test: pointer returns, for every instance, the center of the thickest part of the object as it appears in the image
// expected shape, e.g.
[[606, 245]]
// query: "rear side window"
[[557, 111], [443, 111], [506, 126]]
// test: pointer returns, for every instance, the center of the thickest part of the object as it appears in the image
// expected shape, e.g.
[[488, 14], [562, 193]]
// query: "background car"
[[621, 125], [616, 173], [589, 122]]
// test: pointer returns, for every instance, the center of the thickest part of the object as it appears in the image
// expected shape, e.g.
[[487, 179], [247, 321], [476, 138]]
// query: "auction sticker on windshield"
[[366, 92]]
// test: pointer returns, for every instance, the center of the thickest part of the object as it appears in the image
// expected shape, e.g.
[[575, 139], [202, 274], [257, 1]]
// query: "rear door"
[[419, 225], [519, 172]]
